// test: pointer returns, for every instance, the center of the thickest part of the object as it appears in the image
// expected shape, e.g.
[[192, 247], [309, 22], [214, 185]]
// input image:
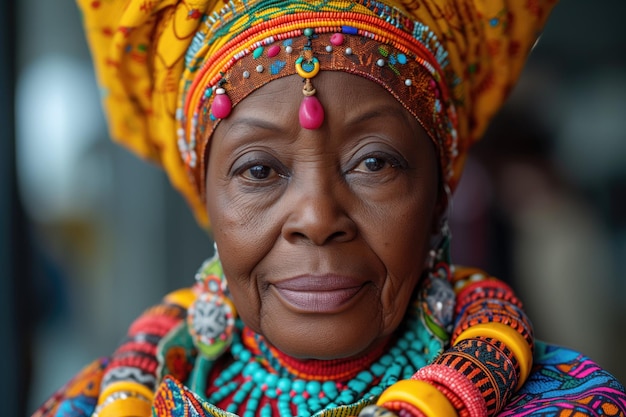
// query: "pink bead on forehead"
[[311, 113]]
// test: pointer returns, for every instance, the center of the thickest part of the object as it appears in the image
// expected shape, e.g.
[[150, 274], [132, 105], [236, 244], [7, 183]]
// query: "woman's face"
[[322, 233]]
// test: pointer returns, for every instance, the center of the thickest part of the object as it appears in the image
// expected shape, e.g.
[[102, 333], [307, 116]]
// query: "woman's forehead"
[[352, 95]]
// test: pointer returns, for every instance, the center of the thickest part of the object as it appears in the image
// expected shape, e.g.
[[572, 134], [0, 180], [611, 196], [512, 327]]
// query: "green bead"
[[308, 32], [257, 52]]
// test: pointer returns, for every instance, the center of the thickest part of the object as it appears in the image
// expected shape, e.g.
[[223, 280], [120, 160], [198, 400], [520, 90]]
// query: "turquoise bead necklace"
[[410, 352]]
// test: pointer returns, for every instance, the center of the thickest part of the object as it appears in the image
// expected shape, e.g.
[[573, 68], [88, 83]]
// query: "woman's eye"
[[258, 172], [373, 164]]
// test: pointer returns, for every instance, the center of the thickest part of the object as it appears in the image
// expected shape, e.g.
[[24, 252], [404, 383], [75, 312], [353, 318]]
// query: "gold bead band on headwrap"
[[163, 63]]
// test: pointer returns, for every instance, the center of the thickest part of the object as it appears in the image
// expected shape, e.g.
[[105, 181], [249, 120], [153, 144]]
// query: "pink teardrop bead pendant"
[[311, 113], [222, 105]]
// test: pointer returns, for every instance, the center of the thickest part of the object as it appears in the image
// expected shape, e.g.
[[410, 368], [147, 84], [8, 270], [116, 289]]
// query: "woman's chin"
[[349, 333]]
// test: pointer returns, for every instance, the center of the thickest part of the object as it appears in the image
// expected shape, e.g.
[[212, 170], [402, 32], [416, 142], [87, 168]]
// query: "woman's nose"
[[319, 212]]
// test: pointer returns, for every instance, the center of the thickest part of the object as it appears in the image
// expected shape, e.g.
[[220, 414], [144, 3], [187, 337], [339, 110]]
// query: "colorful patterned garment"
[[562, 382]]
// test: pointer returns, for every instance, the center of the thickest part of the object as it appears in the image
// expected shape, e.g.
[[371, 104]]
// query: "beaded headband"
[[304, 44], [171, 69]]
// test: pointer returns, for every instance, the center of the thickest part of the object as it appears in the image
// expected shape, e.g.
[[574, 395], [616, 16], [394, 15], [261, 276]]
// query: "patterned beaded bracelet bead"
[[376, 411]]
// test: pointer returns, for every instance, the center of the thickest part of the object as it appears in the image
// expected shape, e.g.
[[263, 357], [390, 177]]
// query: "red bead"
[[273, 50], [311, 113], [336, 39], [221, 106]]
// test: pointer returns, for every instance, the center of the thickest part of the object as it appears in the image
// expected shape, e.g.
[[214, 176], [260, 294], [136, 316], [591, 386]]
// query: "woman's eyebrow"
[[374, 113], [247, 126], [251, 121]]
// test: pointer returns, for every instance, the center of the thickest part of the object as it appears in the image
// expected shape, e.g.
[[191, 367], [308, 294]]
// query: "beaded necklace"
[[267, 381]]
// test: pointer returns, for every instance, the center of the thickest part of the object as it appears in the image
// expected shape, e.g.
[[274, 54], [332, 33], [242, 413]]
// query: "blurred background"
[[90, 236]]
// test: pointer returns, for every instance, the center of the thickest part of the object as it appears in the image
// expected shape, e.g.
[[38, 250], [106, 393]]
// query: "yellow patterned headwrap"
[[451, 63]]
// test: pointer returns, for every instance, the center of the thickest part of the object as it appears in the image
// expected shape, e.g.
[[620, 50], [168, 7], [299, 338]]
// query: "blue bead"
[[346, 397], [251, 368], [329, 388], [357, 385], [365, 376], [378, 369], [313, 387], [259, 376], [349, 30], [266, 411], [403, 344], [257, 393], [271, 380], [239, 396], [298, 386], [284, 385], [314, 404], [386, 360], [245, 356]]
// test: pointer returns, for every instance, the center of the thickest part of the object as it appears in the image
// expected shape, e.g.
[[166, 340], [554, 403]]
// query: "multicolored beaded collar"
[[489, 358]]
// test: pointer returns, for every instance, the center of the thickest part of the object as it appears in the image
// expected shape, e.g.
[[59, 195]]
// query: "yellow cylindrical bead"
[[422, 395], [126, 386], [127, 407], [183, 297]]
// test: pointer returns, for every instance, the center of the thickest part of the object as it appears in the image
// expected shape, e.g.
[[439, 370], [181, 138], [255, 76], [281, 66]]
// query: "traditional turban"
[[160, 63]]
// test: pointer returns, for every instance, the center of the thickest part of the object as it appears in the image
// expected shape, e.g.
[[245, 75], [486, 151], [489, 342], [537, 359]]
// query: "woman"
[[323, 140]]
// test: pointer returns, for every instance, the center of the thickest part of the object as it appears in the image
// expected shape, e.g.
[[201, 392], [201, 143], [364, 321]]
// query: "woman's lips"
[[318, 294]]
